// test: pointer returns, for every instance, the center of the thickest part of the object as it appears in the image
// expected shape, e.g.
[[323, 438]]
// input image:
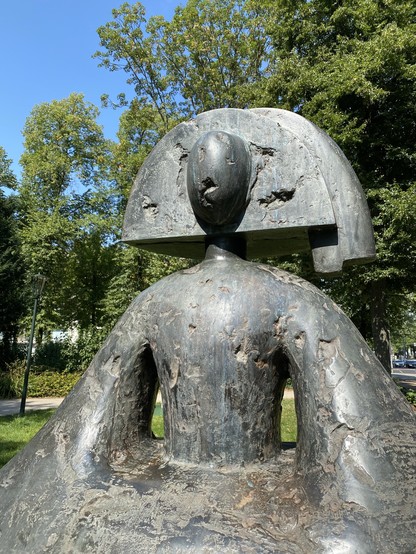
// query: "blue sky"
[[46, 48]]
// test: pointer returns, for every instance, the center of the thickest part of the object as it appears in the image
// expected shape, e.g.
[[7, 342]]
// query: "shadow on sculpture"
[[220, 340]]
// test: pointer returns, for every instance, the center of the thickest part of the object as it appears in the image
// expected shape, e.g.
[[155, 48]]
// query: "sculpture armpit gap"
[[281, 365], [156, 415]]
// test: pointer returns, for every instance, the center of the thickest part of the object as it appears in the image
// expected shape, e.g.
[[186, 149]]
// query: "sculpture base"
[[158, 506]]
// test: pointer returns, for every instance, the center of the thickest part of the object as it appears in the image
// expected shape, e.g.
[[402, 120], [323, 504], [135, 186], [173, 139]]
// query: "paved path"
[[11, 407]]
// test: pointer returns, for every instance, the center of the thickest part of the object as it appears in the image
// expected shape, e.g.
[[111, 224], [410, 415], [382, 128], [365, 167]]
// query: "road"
[[11, 407], [406, 376]]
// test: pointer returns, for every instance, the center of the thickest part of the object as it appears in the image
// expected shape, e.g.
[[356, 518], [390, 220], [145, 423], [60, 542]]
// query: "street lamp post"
[[38, 283]]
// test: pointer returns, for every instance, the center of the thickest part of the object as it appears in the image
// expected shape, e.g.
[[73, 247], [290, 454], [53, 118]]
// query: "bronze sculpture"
[[220, 340]]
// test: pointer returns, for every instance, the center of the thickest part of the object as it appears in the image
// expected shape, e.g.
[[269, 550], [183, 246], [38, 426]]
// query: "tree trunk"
[[380, 327]]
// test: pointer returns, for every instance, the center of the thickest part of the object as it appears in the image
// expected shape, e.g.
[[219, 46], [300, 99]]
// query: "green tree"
[[404, 332], [90, 263], [11, 267], [137, 270], [68, 210], [211, 55], [139, 130], [7, 177], [215, 53], [348, 66]]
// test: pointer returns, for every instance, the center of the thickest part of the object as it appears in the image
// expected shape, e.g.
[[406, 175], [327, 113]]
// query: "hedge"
[[41, 384]]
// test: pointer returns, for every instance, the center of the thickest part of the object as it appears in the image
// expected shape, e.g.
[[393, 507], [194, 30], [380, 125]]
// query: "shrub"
[[50, 355], [68, 355], [52, 383], [56, 366], [78, 355], [41, 384], [410, 395], [11, 380]]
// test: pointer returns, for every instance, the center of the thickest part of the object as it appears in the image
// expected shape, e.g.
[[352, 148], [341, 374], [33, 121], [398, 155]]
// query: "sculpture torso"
[[214, 342]]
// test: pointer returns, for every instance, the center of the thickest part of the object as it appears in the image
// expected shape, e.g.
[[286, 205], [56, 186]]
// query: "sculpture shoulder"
[[257, 283], [164, 289]]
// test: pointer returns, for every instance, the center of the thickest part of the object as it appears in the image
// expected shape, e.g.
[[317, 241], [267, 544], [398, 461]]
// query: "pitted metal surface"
[[220, 340]]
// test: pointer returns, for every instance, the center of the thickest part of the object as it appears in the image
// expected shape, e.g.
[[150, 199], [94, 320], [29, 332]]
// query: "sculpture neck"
[[220, 247]]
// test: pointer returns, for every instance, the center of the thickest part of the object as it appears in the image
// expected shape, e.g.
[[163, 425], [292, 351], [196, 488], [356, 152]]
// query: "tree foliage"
[[348, 66], [69, 213], [63, 146], [211, 55], [11, 267], [7, 177]]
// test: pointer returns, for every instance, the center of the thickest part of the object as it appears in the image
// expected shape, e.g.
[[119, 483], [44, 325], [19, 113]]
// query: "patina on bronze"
[[220, 340]]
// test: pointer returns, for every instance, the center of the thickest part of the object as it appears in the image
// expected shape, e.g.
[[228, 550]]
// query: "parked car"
[[399, 363], [411, 363]]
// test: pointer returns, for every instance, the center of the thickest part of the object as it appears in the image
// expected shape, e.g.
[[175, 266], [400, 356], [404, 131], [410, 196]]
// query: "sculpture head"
[[267, 177], [218, 177]]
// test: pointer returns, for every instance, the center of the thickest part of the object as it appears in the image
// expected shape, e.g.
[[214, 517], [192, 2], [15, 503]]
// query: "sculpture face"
[[218, 177]]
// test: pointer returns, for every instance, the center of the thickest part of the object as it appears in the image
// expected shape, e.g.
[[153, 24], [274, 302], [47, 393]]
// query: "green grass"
[[16, 431], [157, 422], [288, 423]]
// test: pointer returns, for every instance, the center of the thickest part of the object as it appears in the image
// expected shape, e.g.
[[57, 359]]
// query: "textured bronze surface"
[[220, 340], [303, 193]]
